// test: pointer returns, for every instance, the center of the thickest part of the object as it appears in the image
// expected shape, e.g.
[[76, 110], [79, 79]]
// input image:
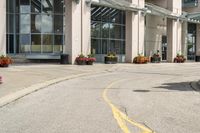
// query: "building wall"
[[77, 32], [155, 29], [134, 32], [192, 9], [3, 27]]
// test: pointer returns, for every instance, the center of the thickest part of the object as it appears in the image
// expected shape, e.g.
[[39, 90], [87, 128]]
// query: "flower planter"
[[140, 60], [4, 65], [155, 59], [179, 59], [110, 60], [89, 63], [80, 62]]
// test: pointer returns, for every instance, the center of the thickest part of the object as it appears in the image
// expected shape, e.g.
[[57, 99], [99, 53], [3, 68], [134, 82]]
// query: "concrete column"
[[77, 29], [184, 38], [198, 41], [3, 27], [134, 32], [174, 32], [173, 39]]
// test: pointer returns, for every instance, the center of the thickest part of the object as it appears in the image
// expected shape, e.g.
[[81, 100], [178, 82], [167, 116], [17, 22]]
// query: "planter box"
[[140, 60], [89, 62], [4, 65], [110, 60], [155, 59]]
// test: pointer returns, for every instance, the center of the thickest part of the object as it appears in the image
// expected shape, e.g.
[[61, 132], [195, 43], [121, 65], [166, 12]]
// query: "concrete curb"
[[26, 91]]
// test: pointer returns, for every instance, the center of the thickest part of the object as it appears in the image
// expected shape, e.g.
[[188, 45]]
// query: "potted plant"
[[5, 61], [179, 58], [156, 57], [110, 58], [90, 59], [81, 60], [140, 59]]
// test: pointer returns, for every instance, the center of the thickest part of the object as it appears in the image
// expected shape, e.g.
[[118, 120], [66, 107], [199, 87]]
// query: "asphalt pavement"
[[111, 99]]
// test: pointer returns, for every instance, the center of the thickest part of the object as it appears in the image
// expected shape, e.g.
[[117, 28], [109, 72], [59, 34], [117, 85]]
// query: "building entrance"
[[191, 44], [164, 48]]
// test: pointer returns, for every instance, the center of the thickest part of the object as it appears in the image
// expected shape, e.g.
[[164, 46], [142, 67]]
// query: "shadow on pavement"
[[168, 87]]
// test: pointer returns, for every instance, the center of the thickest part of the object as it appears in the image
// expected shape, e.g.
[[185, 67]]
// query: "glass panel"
[[11, 43], [96, 29], [24, 6], [47, 23], [17, 6], [105, 30], [36, 6], [58, 6], [122, 47], [115, 46], [105, 46], [96, 46], [10, 6], [25, 23], [36, 43], [17, 44], [108, 24], [58, 43], [25, 43], [17, 23], [47, 6], [106, 14], [117, 31], [36, 23], [96, 13], [117, 17], [10, 23], [47, 46], [58, 23]]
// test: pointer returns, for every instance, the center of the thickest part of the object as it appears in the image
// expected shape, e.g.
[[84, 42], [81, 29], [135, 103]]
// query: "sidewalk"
[[18, 77]]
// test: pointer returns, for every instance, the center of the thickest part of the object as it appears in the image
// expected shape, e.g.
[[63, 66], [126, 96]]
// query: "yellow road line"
[[122, 118]]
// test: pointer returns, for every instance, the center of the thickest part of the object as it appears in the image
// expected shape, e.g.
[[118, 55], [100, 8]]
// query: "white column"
[[184, 38], [77, 29], [3, 27], [174, 30], [134, 32]]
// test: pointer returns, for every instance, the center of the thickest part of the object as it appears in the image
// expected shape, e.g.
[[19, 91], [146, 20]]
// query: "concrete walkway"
[[20, 80]]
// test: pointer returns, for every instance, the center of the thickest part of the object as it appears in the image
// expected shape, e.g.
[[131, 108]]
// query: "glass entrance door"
[[164, 47], [191, 44]]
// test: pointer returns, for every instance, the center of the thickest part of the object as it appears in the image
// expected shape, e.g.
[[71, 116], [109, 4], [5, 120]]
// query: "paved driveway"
[[127, 98]]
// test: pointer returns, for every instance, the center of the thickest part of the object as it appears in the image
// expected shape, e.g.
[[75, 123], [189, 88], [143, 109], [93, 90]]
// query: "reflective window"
[[47, 46], [36, 43], [107, 30], [36, 26], [24, 23], [47, 6], [24, 6], [36, 23], [36, 6], [47, 23], [25, 43], [58, 25]]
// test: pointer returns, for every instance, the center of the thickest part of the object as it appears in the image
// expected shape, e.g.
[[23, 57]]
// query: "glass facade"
[[107, 30], [35, 26], [191, 45]]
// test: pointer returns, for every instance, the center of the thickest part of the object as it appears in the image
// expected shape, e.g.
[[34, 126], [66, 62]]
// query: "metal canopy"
[[118, 4], [159, 11], [149, 9]]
